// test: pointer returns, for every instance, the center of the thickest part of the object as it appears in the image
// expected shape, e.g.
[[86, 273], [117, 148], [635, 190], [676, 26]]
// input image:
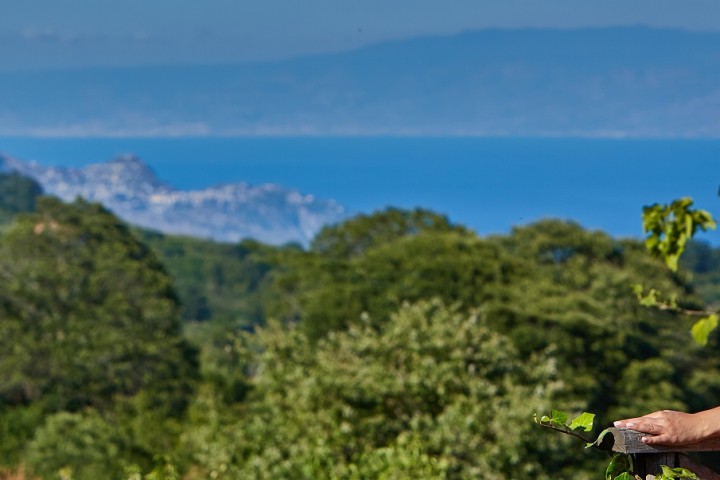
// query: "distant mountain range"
[[606, 82], [128, 187]]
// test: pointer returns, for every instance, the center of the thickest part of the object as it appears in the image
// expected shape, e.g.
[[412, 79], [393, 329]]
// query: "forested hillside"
[[703, 261], [398, 345], [17, 194]]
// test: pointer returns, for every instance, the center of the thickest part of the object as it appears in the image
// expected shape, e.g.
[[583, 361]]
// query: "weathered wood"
[[649, 458], [651, 463], [624, 440]]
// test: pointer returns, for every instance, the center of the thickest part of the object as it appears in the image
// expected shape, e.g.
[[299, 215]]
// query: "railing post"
[[650, 458], [651, 463]]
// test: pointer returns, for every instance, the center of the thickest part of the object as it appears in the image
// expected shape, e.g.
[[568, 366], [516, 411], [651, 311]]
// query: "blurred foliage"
[[82, 444], [88, 312], [225, 282], [433, 393], [550, 285], [355, 236], [703, 262], [399, 345], [17, 194], [89, 321], [577, 297]]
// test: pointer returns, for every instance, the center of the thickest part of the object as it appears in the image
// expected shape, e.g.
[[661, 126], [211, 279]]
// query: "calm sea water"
[[487, 184]]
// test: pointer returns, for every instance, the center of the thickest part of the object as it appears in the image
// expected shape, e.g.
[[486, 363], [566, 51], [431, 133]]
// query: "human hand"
[[668, 427]]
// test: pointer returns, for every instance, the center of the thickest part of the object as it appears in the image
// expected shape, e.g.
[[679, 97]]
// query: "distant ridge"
[[128, 187], [597, 82]]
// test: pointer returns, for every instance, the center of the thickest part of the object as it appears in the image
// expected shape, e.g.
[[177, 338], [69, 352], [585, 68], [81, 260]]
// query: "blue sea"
[[489, 185]]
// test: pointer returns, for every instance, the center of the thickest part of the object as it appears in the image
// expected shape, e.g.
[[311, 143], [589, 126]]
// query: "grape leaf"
[[559, 418], [619, 464], [624, 476], [672, 473], [703, 327], [584, 421]]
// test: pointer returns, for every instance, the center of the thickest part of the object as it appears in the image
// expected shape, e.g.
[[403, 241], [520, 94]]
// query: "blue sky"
[[40, 34]]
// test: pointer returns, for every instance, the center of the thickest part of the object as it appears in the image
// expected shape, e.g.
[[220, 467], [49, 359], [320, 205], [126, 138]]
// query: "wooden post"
[[649, 458]]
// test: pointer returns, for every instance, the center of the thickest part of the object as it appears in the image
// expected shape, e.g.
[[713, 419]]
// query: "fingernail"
[[644, 439], [618, 423]]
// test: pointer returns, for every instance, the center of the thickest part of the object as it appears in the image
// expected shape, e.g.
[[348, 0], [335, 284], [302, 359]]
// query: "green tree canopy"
[[456, 267], [354, 236], [216, 281], [88, 313], [550, 286], [432, 393], [576, 297], [17, 194]]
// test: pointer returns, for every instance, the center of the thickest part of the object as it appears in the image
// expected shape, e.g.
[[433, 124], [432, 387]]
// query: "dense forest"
[[397, 345]]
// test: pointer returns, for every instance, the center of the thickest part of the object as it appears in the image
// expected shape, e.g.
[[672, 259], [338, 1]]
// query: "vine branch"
[[565, 431]]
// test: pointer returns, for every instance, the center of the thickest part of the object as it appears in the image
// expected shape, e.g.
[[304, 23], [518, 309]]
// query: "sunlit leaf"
[[599, 439], [669, 227], [703, 328], [672, 473], [584, 421]]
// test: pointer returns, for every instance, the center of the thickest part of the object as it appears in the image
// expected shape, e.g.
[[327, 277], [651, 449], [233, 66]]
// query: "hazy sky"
[[76, 33]]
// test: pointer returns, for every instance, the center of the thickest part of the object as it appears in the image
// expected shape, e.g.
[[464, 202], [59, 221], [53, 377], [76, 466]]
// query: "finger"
[[656, 418], [644, 427], [624, 422], [656, 440]]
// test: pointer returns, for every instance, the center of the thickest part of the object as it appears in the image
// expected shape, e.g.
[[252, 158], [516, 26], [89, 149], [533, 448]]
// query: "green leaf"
[[624, 476], [669, 227], [672, 260], [584, 421], [599, 439], [703, 327], [619, 464], [559, 418], [649, 300], [671, 473]]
